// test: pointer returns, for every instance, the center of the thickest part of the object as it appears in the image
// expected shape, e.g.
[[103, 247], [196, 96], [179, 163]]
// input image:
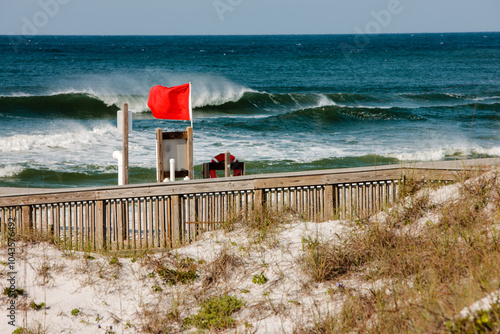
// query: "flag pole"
[[190, 110]]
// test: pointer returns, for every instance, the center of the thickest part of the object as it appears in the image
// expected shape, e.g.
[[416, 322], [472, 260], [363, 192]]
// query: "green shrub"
[[173, 276], [13, 293], [156, 288], [75, 312], [259, 279], [216, 313], [36, 307]]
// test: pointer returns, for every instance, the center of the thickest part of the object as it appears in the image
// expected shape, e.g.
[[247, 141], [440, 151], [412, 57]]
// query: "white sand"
[[482, 304], [111, 296], [115, 297]]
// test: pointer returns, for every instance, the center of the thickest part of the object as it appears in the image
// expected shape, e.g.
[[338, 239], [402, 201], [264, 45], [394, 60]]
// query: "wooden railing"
[[164, 215]]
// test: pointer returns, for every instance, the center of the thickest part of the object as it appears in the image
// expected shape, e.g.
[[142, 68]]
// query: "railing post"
[[100, 225], [259, 200], [163, 230], [329, 205], [175, 220], [27, 218]]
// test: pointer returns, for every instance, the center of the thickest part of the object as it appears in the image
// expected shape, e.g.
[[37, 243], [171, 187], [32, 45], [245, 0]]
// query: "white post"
[[117, 155], [227, 164], [125, 143], [124, 123], [172, 170]]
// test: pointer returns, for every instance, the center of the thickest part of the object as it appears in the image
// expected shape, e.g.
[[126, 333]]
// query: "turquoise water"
[[279, 103]]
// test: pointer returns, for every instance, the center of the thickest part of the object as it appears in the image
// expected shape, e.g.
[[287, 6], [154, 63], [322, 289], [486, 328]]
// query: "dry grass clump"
[[173, 269], [156, 320], [324, 261], [479, 202], [221, 267], [30, 236], [45, 272], [428, 272], [356, 316], [376, 251], [264, 223], [160, 322], [411, 209], [409, 187]]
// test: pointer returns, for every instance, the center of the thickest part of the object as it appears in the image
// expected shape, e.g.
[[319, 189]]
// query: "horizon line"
[[290, 34]]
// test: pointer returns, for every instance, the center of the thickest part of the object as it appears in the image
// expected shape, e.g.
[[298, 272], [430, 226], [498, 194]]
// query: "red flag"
[[171, 103]]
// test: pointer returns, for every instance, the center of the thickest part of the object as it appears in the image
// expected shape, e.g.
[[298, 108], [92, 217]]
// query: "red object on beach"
[[221, 158], [171, 103]]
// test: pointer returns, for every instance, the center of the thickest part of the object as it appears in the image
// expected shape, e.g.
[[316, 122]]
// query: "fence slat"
[[175, 220]]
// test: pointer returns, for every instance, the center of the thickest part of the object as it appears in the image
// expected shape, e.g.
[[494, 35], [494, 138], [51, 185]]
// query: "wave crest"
[[78, 105], [10, 171]]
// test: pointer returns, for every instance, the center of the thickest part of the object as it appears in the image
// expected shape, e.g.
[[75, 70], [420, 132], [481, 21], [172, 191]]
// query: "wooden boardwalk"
[[160, 215]]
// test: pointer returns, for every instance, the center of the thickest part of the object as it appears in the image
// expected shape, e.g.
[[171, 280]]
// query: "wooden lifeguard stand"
[[174, 145]]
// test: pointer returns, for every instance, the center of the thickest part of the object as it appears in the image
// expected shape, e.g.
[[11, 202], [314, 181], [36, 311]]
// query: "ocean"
[[278, 103]]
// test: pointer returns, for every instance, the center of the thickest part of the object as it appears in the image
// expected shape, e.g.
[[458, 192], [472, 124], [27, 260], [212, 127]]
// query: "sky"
[[237, 17]]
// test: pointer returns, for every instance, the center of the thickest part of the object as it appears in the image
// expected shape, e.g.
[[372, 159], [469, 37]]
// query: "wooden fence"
[[164, 215]]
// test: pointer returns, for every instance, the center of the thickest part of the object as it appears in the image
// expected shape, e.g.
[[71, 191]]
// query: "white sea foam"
[[207, 89], [78, 144], [441, 153], [454, 95], [493, 151], [323, 101], [10, 170], [368, 107], [297, 148], [430, 155], [68, 145], [485, 98], [77, 135]]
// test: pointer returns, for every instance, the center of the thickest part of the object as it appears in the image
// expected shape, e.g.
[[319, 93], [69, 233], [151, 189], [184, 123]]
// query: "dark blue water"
[[280, 103]]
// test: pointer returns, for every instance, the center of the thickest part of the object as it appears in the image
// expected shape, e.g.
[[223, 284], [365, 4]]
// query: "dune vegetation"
[[429, 263]]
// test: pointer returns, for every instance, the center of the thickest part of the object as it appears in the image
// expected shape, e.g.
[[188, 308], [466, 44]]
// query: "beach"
[[279, 103], [267, 270]]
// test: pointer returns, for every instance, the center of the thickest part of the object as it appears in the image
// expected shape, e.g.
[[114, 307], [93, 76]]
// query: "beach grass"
[[416, 267], [427, 268]]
